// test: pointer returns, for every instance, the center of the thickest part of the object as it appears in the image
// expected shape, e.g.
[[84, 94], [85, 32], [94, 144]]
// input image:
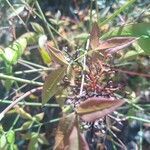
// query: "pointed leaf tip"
[[97, 107]]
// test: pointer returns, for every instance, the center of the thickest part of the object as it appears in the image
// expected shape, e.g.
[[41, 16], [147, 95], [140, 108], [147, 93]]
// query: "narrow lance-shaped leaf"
[[64, 129], [50, 84], [44, 54], [37, 28], [94, 36], [140, 30], [97, 107], [57, 55], [77, 140], [124, 42]]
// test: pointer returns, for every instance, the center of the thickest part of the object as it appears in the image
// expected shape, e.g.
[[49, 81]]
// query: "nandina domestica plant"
[[92, 91]]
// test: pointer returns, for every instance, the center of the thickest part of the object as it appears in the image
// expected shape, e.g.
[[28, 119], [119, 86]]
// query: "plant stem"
[[33, 70], [32, 64], [3, 76], [84, 68], [29, 103], [17, 14], [46, 23], [2, 114]]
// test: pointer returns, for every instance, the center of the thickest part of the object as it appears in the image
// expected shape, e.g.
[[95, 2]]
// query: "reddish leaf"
[[97, 107], [94, 36], [114, 44], [77, 140], [63, 132]]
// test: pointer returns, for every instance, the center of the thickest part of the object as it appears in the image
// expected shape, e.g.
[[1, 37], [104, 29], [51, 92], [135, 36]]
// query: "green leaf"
[[42, 139], [50, 85], [26, 125], [132, 54], [23, 113], [37, 28], [31, 37], [14, 51], [39, 116], [141, 30], [3, 141], [11, 137], [57, 55], [33, 144], [8, 83]]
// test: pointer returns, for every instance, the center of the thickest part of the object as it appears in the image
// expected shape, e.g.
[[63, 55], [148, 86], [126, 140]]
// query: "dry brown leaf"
[[94, 36], [63, 131]]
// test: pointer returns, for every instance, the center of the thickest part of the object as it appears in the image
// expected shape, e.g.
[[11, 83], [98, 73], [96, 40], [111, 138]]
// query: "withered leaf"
[[97, 107], [64, 130], [57, 55], [94, 36], [77, 140], [50, 85]]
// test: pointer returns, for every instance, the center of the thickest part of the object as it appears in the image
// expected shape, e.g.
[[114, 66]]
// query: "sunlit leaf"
[[97, 107], [42, 139], [57, 55], [11, 136], [33, 144], [64, 129], [31, 37], [140, 30], [44, 54], [3, 141], [39, 116], [14, 51], [23, 113], [50, 85], [133, 53], [82, 36], [37, 28], [26, 125], [9, 71], [94, 36]]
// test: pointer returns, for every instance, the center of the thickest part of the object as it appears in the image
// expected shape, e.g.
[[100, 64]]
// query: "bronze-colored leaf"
[[97, 107], [77, 140], [57, 55], [94, 36], [114, 44], [50, 85], [63, 131]]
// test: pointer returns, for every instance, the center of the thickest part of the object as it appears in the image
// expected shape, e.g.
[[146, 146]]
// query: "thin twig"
[[46, 23], [3, 76], [34, 70], [23, 62], [84, 68], [21, 87], [132, 73], [2, 114], [29, 103], [17, 14]]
